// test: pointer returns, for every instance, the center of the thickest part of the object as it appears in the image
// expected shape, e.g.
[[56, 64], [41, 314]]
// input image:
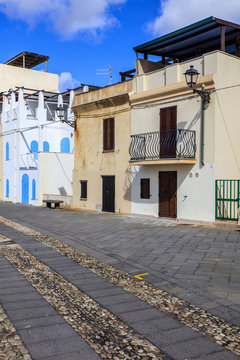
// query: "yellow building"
[[102, 176]]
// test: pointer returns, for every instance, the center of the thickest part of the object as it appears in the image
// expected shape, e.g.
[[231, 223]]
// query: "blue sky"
[[81, 36]]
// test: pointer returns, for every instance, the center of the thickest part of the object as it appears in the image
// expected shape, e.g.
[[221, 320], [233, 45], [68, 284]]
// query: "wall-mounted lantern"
[[61, 114], [191, 76]]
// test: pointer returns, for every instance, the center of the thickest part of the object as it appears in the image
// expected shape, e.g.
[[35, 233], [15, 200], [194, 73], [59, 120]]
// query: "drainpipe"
[[203, 106]]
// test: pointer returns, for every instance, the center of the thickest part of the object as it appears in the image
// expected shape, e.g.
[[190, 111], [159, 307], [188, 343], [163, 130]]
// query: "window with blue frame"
[[7, 188], [46, 146], [7, 151], [33, 189], [65, 145], [34, 148]]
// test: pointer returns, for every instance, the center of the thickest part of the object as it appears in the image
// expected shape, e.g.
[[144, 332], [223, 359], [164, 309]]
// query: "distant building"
[[37, 147]]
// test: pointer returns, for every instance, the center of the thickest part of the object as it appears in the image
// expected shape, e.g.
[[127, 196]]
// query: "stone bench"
[[55, 202]]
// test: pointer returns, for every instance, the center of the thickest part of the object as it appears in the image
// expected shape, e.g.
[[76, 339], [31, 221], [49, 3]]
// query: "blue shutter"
[[33, 189], [45, 146], [7, 151], [65, 145], [7, 188], [34, 148]]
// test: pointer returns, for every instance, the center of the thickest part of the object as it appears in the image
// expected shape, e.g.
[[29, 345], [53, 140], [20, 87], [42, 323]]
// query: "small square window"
[[83, 189], [145, 189]]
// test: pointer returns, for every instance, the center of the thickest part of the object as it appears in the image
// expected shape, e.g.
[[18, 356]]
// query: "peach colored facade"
[[91, 162]]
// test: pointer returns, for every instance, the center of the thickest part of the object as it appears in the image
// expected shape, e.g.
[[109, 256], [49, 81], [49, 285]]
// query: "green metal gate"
[[227, 199]]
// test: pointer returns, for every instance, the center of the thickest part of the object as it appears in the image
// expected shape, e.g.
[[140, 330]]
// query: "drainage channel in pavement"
[[218, 330], [103, 331]]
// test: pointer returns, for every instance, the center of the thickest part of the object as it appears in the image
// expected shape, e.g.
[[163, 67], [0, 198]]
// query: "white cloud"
[[66, 81], [66, 17], [175, 14]]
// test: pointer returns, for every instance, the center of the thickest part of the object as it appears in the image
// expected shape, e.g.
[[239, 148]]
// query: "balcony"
[[28, 161], [163, 147]]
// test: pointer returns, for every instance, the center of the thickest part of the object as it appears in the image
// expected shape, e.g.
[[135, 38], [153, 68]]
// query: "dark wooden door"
[[168, 132], [108, 193], [168, 194]]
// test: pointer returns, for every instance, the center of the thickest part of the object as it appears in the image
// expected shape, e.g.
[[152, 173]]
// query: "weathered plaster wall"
[[91, 163]]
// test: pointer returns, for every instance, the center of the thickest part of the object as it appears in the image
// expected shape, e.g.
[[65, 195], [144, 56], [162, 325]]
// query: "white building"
[[185, 158], [37, 146]]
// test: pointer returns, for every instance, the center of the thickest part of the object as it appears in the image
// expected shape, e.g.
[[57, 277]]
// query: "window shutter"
[[163, 119], [145, 189], [83, 189], [108, 134], [173, 118], [111, 134], [168, 118], [105, 131]]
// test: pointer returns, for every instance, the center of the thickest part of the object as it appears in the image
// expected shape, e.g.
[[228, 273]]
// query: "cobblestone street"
[[68, 288]]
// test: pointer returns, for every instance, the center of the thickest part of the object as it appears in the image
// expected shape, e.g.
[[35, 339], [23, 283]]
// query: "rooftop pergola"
[[199, 38], [28, 60]]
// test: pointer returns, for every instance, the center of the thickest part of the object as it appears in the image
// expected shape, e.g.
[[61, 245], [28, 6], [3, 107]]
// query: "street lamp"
[[60, 111], [191, 76]]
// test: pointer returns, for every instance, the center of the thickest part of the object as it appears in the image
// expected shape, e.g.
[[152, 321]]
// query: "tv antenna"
[[107, 71]]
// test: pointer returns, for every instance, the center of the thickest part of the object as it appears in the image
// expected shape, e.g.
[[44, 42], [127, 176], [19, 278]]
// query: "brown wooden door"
[[168, 132], [168, 194]]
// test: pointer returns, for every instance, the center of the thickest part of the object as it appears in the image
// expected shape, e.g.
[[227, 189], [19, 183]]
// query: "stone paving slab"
[[129, 315], [103, 331], [42, 350], [106, 254], [35, 323]]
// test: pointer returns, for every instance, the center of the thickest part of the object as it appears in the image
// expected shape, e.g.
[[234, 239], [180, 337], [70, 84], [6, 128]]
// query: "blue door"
[[25, 189]]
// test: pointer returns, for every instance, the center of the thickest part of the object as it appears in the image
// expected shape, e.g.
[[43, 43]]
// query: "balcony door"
[[168, 132], [168, 194]]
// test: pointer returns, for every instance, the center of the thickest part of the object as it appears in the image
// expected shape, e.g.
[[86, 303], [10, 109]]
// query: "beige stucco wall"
[[227, 119], [90, 162], [166, 87], [12, 76], [195, 183]]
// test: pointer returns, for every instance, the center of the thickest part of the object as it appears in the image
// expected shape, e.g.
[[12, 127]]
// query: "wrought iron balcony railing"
[[167, 144]]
